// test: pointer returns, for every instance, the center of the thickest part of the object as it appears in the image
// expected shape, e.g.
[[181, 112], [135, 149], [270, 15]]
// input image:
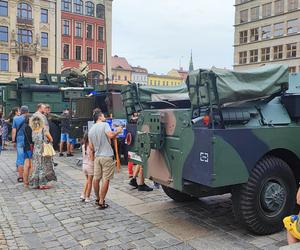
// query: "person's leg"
[[130, 169], [103, 191], [26, 172], [61, 144], [20, 160], [89, 187], [82, 197], [142, 186], [133, 181], [291, 239], [97, 178], [108, 169]]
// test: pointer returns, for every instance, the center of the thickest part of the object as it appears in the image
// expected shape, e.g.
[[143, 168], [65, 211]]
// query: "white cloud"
[[158, 34]]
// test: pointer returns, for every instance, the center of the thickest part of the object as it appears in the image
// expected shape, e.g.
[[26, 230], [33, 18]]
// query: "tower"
[[191, 67]]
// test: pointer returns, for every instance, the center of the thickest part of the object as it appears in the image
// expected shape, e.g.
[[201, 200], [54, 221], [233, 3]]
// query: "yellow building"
[[121, 70], [29, 38], [164, 80]]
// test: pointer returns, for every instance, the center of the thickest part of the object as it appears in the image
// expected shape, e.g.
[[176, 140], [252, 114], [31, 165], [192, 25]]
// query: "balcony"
[[26, 21]]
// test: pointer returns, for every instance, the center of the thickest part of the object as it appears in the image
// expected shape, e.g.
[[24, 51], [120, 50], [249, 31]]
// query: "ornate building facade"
[[29, 38], [86, 35]]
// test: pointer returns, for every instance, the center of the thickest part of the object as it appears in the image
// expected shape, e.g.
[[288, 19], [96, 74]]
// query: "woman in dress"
[[42, 166]]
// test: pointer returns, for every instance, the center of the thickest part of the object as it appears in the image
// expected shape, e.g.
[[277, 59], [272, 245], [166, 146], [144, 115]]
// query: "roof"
[[139, 69], [179, 72], [120, 63]]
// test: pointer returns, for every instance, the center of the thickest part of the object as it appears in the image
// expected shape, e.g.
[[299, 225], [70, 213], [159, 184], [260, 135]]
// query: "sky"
[[160, 34]]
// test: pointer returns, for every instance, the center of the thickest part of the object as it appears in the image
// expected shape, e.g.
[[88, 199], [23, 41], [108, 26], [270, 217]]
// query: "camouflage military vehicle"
[[224, 132], [63, 92]]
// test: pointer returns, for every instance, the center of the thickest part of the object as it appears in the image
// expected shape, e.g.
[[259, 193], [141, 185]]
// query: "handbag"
[[48, 150]]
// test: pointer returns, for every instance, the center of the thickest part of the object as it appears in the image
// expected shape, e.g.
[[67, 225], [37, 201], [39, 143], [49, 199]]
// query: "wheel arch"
[[290, 158]]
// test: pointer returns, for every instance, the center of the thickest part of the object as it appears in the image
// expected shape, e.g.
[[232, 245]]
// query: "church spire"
[[191, 67]]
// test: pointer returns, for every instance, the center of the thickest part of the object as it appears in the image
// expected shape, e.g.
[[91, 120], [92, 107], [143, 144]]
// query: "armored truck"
[[223, 132]]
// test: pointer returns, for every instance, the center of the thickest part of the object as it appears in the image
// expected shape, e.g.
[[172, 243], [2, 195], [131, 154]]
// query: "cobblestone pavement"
[[56, 219]]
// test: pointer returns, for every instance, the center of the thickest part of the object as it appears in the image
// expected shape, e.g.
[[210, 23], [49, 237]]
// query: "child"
[[87, 168], [292, 224], [28, 150]]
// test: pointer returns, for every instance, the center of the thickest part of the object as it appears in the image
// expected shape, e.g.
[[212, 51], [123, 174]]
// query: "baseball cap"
[[24, 109]]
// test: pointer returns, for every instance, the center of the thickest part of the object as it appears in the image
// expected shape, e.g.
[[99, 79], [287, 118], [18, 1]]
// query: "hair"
[[36, 122], [27, 118], [39, 105], [97, 115], [47, 105], [85, 141], [13, 113], [1, 114]]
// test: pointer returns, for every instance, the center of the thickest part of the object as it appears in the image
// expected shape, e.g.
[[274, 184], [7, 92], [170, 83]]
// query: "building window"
[[267, 10], [254, 35], [292, 26], [24, 36], [292, 5], [95, 78], [278, 52], [44, 16], [3, 9], [24, 11], [125, 78], [278, 29], [244, 16], [292, 69], [25, 64], [3, 34], [89, 54], [44, 39], [66, 51], [279, 7], [255, 13], [89, 9], [78, 53], [44, 65], [265, 54], [66, 27], [66, 5], [78, 29], [254, 56], [100, 33], [100, 56], [89, 31], [100, 11], [243, 36], [3, 62], [78, 7], [291, 50], [266, 32]]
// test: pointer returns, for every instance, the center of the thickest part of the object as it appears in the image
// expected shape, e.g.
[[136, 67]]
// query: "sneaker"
[[82, 198], [55, 164], [61, 154], [145, 188], [133, 182], [70, 155], [87, 200]]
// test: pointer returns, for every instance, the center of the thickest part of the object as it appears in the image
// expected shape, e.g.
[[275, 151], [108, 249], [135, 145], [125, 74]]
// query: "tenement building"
[[86, 38], [29, 38], [267, 31]]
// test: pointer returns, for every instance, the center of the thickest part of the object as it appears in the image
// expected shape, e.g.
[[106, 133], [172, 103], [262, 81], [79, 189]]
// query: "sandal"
[[103, 206], [20, 179], [44, 187], [97, 202]]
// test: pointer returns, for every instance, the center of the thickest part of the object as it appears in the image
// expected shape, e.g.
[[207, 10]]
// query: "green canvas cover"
[[233, 86]]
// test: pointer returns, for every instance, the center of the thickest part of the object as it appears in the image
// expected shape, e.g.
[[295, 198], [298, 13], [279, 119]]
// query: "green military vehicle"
[[224, 132], [63, 92]]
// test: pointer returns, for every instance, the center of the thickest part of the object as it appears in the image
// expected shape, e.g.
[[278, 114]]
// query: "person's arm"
[[49, 137], [92, 151], [14, 131], [110, 134]]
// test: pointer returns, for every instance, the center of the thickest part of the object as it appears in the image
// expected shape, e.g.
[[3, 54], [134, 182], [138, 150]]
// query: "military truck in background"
[[63, 92], [224, 132]]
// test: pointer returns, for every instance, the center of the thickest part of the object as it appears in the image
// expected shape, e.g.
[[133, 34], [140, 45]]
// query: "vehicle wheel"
[[55, 133], [177, 195], [267, 197]]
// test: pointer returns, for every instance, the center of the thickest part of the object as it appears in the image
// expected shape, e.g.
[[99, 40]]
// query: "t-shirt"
[[18, 124], [65, 123], [98, 137]]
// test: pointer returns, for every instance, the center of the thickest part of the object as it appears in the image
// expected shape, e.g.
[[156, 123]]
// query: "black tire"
[[177, 195], [267, 197]]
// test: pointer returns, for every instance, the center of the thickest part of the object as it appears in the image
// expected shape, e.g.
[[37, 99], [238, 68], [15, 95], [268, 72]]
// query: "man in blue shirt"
[[18, 139]]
